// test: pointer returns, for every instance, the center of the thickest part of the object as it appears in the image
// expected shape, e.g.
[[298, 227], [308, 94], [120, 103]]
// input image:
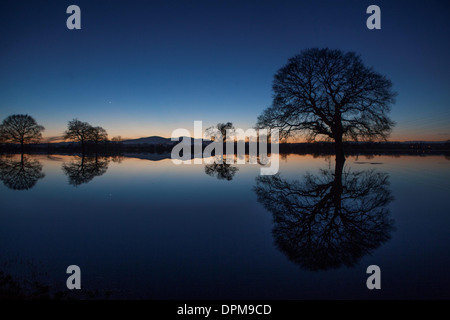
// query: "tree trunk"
[[340, 159], [337, 185], [82, 161], [21, 147], [339, 166], [338, 143], [338, 169], [339, 149]]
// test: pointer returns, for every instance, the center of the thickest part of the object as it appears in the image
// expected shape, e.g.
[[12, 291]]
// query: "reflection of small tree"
[[84, 169], [20, 174], [222, 171], [117, 159], [20, 128], [329, 220]]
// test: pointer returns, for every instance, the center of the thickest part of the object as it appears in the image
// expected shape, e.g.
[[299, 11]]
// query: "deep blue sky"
[[141, 68]]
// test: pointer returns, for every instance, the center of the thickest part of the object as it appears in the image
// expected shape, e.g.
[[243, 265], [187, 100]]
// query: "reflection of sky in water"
[[152, 229]]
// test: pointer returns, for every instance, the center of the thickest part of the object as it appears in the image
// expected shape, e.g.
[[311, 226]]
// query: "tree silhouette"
[[20, 128], [330, 94], [97, 134], [117, 139], [331, 219], [20, 174], [222, 128], [78, 131], [83, 132], [84, 169]]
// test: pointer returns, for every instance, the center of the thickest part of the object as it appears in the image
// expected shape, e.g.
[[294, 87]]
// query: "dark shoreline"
[[164, 150]]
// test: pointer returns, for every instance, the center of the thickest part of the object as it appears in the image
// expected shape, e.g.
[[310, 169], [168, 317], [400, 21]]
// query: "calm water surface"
[[143, 228]]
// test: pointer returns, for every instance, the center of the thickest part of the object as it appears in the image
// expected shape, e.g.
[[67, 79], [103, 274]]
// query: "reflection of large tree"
[[83, 169], [330, 219], [20, 174]]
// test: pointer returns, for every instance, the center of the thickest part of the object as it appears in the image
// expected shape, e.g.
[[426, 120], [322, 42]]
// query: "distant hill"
[[149, 140], [152, 140]]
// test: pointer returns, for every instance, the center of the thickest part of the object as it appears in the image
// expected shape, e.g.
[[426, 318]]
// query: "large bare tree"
[[324, 93], [20, 128]]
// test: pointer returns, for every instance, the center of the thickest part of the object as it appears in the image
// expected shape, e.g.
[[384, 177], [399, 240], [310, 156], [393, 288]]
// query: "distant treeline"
[[412, 148], [107, 147], [112, 148]]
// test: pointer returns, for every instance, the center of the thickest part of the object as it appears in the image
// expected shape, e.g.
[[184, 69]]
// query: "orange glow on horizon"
[[55, 137]]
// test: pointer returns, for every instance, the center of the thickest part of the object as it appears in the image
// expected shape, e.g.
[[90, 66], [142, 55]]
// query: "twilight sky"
[[142, 68]]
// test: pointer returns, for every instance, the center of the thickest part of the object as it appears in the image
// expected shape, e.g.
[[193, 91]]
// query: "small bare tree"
[[98, 134], [117, 139], [222, 127], [78, 131]]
